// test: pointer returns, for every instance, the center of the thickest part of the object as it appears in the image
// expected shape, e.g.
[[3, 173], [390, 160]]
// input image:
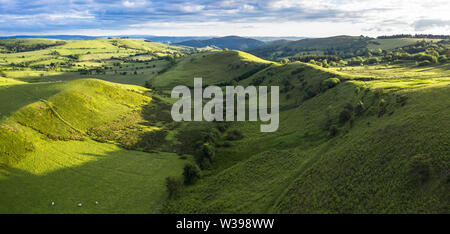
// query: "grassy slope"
[[213, 67], [389, 44], [316, 45], [43, 159], [122, 181], [393, 163], [319, 45]]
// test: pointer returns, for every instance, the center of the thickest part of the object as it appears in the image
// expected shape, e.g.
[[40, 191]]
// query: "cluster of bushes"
[[234, 135], [419, 57], [202, 143], [329, 83], [258, 81], [245, 75], [429, 36], [157, 111], [326, 63], [20, 46], [174, 185], [307, 58], [152, 140], [346, 114], [199, 140]]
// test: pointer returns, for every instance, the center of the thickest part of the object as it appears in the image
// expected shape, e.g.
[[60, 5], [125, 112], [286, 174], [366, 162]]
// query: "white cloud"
[[128, 4], [242, 17], [191, 8]]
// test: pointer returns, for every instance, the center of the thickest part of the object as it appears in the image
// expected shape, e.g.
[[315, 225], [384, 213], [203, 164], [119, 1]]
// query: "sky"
[[304, 18]]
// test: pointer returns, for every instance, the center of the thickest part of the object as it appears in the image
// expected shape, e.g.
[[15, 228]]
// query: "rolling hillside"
[[345, 145], [214, 67], [48, 153], [230, 42], [353, 139], [342, 46]]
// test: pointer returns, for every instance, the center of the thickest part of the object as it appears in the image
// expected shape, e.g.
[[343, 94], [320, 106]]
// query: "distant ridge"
[[230, 42], [161, 39]]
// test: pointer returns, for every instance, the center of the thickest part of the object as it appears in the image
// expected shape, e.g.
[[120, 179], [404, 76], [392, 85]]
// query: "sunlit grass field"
[[46, 155]]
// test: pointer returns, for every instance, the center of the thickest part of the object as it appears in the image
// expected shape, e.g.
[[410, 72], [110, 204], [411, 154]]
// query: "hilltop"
[[215, 67]]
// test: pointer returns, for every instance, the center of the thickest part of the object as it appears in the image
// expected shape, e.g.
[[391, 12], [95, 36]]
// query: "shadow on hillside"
[[14, 97], [121, 181]]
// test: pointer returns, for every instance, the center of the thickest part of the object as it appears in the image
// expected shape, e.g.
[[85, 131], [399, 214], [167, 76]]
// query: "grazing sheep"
[[53, 203], [96, 202], [80, 205]]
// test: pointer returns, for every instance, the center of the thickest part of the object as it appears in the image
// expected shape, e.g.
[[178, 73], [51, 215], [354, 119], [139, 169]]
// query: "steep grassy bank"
[[342, 147]]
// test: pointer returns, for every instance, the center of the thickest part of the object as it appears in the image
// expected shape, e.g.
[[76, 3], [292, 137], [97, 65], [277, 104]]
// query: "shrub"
[[382, 107], [346, 113], [234, 135], [333, 131], [401, 99], [191, 173], [349, 106], [174, 186], [378, 93], [205, 155], [359, 108], [152, 140], [330, 83], [212, 135], [442, 59], [284, 61], [148, 85], [222, 126], [373, 60], [208, 151], [424, 63], [204, 163], [227, 144], [419, 170], [309, 93]]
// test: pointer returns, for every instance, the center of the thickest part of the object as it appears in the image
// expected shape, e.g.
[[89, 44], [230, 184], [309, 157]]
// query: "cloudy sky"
[[311, 18]]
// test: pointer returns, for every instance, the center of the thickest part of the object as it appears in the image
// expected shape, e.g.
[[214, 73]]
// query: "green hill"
[[77, 126], [214, 67], [230, 42], [342, 46], [358, 146], [23, 45], [48, 153]]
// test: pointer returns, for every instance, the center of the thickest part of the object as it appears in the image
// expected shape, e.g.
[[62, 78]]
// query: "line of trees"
[[429, 36]]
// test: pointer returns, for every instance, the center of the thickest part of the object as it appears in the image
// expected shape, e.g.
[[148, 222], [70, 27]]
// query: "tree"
[[191, 173], [284, 61], [346, 113], [174, 185]]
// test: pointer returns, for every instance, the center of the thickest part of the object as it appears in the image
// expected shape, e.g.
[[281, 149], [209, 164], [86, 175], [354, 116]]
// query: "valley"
[[88, 121]]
